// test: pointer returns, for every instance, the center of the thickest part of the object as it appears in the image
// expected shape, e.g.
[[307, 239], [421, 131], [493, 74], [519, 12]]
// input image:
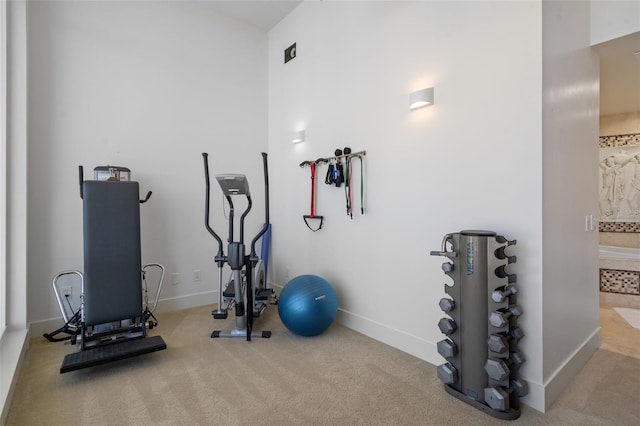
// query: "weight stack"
[[481, 347]]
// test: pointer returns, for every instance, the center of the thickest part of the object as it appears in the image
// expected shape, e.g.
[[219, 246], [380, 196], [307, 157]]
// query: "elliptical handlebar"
[[205, 156], [265, 227], [265, 168]]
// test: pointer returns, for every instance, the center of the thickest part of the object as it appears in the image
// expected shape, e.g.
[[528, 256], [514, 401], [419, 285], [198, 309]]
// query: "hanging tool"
[[312, 166], [359, 157], [338, 173], [347, 180], [331, 171]]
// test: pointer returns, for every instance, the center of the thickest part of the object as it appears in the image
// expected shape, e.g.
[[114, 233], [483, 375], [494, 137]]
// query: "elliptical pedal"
[[263, 294], [258, 308], [219, 314]]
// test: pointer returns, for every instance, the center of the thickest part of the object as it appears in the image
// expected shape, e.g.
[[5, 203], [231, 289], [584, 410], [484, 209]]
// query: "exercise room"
[[317, 212]]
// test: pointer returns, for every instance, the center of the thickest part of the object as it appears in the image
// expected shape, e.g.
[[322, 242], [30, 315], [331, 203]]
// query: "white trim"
[[409, 343], [542, 395], [13, 347], [188, 301], [566, 373], [38, 328], [3, 166]]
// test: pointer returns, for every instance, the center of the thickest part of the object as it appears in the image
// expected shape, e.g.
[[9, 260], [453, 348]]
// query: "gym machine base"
[[481, 347], [111, 322], [240, 293]]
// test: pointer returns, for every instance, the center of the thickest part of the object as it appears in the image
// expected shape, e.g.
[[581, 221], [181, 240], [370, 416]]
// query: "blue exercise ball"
[[307, 305]]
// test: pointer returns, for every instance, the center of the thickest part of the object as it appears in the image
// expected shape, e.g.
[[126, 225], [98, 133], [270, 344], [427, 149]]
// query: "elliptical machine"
[[240, 287]]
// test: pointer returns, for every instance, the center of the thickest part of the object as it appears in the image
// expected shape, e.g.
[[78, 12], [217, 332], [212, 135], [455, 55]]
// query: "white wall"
[[570, 157], [149, 86], [613, 18], [471, 161]]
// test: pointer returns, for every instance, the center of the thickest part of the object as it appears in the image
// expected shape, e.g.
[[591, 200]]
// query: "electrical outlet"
[[66, 292], [197, 276], [175, 278]]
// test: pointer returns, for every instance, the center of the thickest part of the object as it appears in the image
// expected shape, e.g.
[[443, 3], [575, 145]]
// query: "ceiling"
[[264, 14], [619, 67]]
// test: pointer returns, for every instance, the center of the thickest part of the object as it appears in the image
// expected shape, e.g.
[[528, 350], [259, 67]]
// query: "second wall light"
[[298, 136], [421, 98]]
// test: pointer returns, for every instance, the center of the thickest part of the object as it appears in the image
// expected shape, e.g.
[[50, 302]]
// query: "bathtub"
[[620, 253], [620, 277], [619, 258]]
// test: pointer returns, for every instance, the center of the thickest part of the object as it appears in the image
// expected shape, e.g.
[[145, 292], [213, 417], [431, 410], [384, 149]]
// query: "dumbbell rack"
[[481, 347]]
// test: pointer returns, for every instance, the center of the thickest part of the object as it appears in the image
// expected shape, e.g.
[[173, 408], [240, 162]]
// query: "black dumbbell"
[[517, 358], [499, 342], [447, 348], [519, 386], [447, 373], [447, 326], [499, 296], [500, 318], [498, 369], [447, 304], [497, 398], [516, 333], [447, 267]]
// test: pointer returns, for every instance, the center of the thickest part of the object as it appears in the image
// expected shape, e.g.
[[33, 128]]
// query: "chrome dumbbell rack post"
[[481, 324]]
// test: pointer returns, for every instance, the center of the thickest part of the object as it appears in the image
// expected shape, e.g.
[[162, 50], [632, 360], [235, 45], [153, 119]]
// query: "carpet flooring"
[[338, 378]]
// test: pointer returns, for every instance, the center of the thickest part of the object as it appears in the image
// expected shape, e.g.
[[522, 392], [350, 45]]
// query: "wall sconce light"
[[298, 136], [421, 98]]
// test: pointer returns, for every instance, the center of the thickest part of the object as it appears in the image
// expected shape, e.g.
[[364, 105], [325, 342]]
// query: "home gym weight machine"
[[112, 320], [239, 292]]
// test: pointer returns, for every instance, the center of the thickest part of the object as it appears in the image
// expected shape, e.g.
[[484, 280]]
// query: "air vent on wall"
[[290, 53]]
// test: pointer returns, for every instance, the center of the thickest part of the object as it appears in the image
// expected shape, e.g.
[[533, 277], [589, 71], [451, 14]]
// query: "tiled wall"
[[628, 126], [618, 131], [616, 281], [619, 226], [619, 140]]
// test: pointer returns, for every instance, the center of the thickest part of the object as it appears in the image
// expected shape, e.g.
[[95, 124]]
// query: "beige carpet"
[[338, 378]]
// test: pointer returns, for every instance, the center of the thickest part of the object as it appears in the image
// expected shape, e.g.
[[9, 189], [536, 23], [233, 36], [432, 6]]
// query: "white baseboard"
[[399, 339], [542, 395], [189, 301], [13, 347], [38, 328], [564, 375]]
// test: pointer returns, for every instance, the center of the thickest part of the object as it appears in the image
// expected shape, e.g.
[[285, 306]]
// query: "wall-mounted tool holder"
[[337, 174], [482, 335]]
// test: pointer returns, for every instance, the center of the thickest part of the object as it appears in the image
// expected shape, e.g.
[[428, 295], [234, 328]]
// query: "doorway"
[[620, 133]]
